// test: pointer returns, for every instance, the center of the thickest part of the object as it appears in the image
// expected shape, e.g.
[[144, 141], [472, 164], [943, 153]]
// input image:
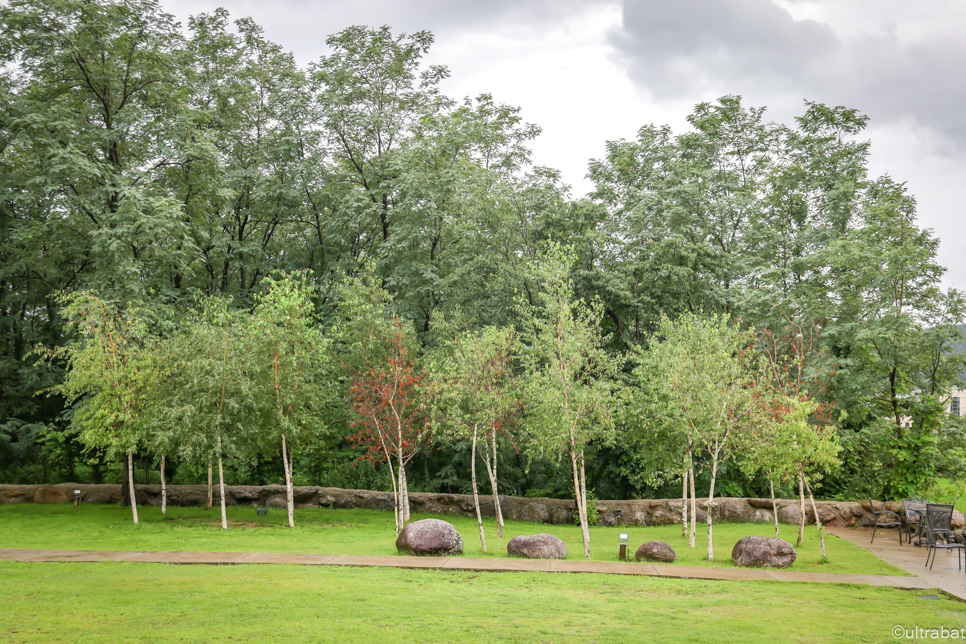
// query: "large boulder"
[[656, 551], [430, 537], [537, 546], [763, 551]]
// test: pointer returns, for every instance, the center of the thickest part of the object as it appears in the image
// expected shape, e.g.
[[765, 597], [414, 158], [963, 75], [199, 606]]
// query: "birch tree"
[[475, 400], [111, 376], [704, 375], [208, 388], [570, 380], [293, 356]]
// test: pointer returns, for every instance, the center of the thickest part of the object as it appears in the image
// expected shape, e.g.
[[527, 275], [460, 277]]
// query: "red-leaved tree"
[[387, 415]]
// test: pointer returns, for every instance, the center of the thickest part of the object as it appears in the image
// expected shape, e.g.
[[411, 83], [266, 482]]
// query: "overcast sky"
[[588, 72]]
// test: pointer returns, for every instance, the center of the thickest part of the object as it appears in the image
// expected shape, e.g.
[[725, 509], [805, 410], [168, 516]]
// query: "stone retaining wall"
[[555, 511]]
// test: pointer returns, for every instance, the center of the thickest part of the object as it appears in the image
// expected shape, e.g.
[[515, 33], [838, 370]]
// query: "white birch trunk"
[[801, 500], [221, 485], [164, 489], [405, 494], [818, 523], [476, 496], [208, 507], [130, 482], [401, 476], [684, 505], [694, 503], [579, 500], [774, 505], [714, 475], [289, 494], [396, 506], [493, 485], [583, 491]]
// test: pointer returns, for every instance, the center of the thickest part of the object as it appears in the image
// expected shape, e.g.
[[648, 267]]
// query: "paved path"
[[945, 573], [461, 563]]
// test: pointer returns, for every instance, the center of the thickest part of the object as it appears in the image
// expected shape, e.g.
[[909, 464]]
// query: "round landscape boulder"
[[770, 552], [656, 551], [537, 546], [429, 537]]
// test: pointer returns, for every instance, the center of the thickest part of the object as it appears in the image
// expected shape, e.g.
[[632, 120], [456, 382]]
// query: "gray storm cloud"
[[757, 47]]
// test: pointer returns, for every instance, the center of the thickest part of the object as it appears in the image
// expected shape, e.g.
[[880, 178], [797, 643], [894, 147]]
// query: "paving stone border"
[[636, 512]]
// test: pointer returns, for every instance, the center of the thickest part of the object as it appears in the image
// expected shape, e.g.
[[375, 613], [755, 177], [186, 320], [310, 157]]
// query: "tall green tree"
[[112, 375], [570, 379], [476, 398], [209, 401], [703, 379], [291, 376]]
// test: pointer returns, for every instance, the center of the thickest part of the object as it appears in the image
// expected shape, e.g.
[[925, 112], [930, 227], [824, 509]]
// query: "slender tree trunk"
[[496, 493], [818, 522], [289, 494], [208, 507], [221, 484], [583, 491], [579, 500], [476, 496], [714, 475], [684, 505], [130, 474], [801, 499], [396, 506], [774, 505], [164, 489], [405, 494], [694, 505]]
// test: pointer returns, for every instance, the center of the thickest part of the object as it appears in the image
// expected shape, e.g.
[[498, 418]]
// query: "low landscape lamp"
[[77, 497], [623, 550], [618, 516]]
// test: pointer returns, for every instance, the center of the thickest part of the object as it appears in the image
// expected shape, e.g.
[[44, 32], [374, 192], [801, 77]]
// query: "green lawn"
[[368, 532], [129, 602]]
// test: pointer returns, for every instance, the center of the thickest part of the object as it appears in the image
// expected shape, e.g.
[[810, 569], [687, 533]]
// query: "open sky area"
[[588, 72]]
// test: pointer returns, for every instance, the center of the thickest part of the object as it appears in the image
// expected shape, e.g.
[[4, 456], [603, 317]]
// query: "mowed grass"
[[134, 602], [369, 532]]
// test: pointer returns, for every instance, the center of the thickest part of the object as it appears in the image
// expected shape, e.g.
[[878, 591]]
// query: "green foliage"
[[152, 167]]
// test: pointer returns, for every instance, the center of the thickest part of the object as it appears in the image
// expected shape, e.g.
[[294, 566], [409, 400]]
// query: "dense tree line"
[[174, 177]]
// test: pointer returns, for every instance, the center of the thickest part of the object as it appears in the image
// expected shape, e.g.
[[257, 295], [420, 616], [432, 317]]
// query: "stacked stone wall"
[[636, 512]]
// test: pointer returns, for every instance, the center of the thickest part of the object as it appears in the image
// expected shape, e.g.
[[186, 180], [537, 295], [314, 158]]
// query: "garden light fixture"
[[623, 549]]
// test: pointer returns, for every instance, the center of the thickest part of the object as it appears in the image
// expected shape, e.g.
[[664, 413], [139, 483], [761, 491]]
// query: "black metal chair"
[[886, 522], [913, 509], [941, 516], [934, 543]]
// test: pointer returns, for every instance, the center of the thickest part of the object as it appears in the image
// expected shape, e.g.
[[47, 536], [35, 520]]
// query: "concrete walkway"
[[463, 563], [945, 574]]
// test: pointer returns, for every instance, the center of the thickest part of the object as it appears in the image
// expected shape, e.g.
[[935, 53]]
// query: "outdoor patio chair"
[[886, 521], [934, 543], [913, 508], [941, 516]]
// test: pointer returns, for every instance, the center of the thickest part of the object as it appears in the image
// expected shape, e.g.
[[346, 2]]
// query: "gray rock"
[[431, 537], [537, 546], [656, 551], [534, 512], [763, 551], [790, 513]]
